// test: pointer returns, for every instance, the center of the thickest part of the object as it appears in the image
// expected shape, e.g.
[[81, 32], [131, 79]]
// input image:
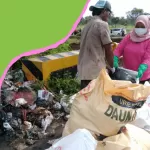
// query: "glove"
[[116, 60], [142, 68]]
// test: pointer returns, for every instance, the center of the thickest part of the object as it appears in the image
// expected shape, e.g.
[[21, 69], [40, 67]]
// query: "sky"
[[120, 7]]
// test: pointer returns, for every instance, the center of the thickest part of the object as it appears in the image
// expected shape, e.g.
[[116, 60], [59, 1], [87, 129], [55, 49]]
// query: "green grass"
[[80, 27], [128, 27], [61, 48], [74, 40]]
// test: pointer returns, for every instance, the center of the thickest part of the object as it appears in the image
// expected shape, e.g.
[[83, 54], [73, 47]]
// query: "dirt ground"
[[39, 145], [75, 46], [42, 144]]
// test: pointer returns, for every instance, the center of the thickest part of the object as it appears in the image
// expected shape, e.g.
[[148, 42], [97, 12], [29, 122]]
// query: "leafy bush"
[[37, 85], [66, 83]]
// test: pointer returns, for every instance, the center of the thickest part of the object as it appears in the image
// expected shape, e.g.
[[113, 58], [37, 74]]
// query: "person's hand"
[[142, 68], [116, 60], [140, 73]]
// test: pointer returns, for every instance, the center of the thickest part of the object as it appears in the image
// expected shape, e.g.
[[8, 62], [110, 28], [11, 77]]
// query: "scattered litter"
[[28, 125], [9, 115], [67, 117], [66, 102], [43, 94], [18, 76], [29, 142], [32, 107], [124, 74], [28, 112], [7, 126], [57, 106], [28, 83], [46, 121], [51, 142], [20, 102]]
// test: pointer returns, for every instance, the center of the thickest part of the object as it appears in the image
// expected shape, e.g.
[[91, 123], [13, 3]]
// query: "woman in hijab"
[[135, 49]]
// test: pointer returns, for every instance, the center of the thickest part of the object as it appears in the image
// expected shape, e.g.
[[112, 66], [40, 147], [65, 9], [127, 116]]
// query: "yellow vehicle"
[[42, 67]]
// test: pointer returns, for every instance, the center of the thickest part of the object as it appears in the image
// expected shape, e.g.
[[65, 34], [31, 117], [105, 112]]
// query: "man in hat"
[[95, 44]]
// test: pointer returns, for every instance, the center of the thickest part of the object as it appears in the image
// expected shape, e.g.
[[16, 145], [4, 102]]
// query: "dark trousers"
[[84, 83]]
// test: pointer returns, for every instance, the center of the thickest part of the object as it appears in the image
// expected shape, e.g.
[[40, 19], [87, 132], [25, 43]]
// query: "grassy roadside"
[[128, 27]]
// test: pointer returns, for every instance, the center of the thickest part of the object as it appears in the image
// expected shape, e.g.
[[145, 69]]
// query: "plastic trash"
[[20, 101], [28, 125], [28, 83], [143, 114], [15, 123], [81, 139], [33, 107], [46, 122], [9, 115], [43, 94], [18, 75], [124, 74], [131, 72], [147, 83], [57, 106], [66, 102], [27, 93], [7, 126]]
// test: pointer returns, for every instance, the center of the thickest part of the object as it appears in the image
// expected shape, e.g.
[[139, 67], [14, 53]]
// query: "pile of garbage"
[[28, 113]]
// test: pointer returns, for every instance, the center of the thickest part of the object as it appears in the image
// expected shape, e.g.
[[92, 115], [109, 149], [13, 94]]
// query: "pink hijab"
[[146, 21]]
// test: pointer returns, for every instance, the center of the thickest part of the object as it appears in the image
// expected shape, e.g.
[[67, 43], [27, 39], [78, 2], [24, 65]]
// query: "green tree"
[[87, 19], [123, 21], [82, 21], [115, 20], [133, 14]]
